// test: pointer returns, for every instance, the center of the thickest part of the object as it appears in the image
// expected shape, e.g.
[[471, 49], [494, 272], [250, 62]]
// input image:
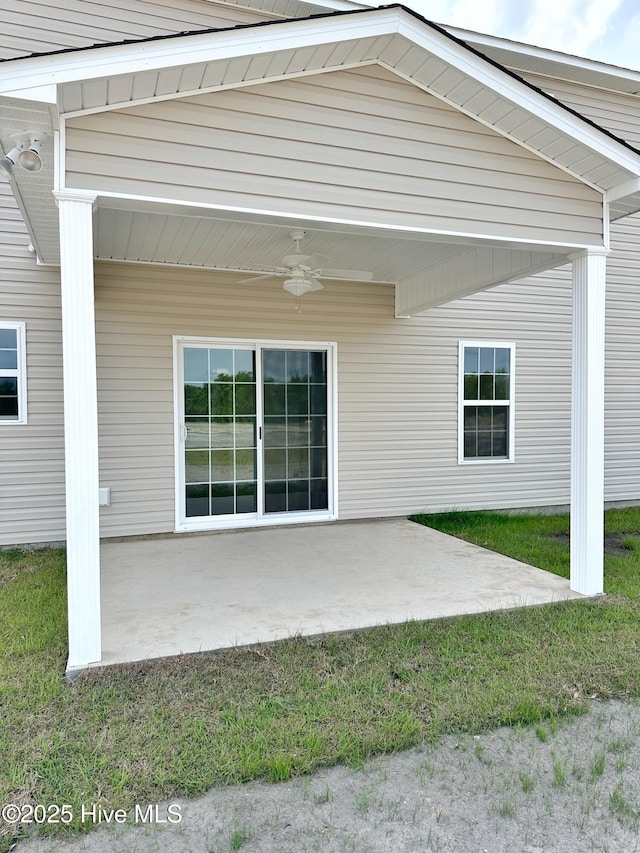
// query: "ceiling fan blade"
[[259, 277], [315, 284], [348, 275]]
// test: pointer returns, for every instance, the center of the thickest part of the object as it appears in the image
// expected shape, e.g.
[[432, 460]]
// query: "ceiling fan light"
[[297, 286]]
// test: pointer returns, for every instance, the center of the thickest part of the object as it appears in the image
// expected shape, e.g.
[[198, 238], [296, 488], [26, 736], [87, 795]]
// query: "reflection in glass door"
[[220, 421], [295, 430], [256, 432]]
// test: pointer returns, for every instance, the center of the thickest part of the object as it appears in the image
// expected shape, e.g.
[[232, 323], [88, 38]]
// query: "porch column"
[[80, 426], [587, 423]]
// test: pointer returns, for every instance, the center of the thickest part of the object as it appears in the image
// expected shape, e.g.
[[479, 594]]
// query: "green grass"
[[153, 731]]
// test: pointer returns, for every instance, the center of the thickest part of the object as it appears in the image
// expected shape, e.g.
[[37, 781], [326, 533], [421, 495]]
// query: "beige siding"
[[352, 145], [397, 389], [38, 26], [397, 385], [622, 436], [31, 455], [617, 112]]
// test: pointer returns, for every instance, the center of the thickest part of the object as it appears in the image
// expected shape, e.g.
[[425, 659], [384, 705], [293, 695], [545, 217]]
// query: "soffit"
[[173, 235]]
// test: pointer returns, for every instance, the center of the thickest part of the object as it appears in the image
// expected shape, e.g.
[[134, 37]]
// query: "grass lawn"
[[147, 732]]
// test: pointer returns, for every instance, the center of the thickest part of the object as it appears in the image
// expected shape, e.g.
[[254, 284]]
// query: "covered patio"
[[167, 595], [410, 162]]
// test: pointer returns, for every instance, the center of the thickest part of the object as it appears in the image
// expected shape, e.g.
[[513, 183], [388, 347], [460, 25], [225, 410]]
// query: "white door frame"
[[184, 524]]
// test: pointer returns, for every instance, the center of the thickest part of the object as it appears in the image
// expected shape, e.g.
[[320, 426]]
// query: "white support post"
[[587, 423], [80, 427]]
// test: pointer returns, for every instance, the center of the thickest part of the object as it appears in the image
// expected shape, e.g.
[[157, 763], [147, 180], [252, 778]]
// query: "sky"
[[607, 30]]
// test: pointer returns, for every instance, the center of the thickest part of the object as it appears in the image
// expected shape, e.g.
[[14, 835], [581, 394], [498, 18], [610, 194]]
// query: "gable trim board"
[[469, 88]]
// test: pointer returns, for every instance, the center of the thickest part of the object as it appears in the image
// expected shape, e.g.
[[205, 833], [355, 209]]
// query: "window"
[[13, 402], [485, 430]]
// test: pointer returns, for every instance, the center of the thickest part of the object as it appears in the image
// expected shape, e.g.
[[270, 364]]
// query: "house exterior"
[[271, 262]]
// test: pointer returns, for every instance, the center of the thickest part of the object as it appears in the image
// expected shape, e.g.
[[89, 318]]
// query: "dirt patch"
[[613, 542], [572, 784]]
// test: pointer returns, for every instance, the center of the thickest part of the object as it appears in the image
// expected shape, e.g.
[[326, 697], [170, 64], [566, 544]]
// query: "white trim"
[[606, 223], [66, 194], [510, 402], [19, 373], [287, 219], [39, 94], [259, 518], [59, 156]]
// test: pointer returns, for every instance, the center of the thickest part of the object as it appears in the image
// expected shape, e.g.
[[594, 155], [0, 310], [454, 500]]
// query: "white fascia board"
[[41, 94], [156, 54]]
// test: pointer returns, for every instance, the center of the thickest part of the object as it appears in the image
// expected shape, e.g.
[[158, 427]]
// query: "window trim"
[[510, 402], [20, 372]]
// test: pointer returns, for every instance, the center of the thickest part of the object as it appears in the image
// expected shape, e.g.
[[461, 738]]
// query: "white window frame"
[[20, 372], [510, 402]]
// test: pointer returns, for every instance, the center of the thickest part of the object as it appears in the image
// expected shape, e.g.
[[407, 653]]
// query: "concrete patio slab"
[[188, 593]]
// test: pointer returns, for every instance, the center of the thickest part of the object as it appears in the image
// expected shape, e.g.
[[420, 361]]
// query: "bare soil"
[[563, 786], [612, 542]]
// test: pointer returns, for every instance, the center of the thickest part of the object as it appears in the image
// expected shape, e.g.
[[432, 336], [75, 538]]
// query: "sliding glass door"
[[220, 431], [254, 432], [294, 386]]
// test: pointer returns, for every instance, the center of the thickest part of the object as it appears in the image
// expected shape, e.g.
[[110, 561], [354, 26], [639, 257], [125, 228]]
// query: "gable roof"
[[113, 76]]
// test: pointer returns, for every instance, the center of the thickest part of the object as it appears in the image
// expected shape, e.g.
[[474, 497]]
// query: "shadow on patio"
[[187, 593]]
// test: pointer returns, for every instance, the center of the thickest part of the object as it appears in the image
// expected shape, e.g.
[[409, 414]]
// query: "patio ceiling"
[[173, 235]]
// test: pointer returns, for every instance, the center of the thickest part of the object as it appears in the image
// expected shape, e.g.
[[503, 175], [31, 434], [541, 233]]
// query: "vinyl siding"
[[362, 146], [31, 455], [617, 112], [38, 26], [397, 387], [622, 385]]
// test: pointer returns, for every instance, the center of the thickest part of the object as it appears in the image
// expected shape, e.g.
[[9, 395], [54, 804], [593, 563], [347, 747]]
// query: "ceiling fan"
[[301, 274]]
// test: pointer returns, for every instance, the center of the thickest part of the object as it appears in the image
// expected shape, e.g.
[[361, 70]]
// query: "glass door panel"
[[221, 437], [295, 430]]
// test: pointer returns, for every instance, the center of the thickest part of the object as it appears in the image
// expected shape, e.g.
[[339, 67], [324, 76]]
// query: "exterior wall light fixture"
[[25, 153]]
